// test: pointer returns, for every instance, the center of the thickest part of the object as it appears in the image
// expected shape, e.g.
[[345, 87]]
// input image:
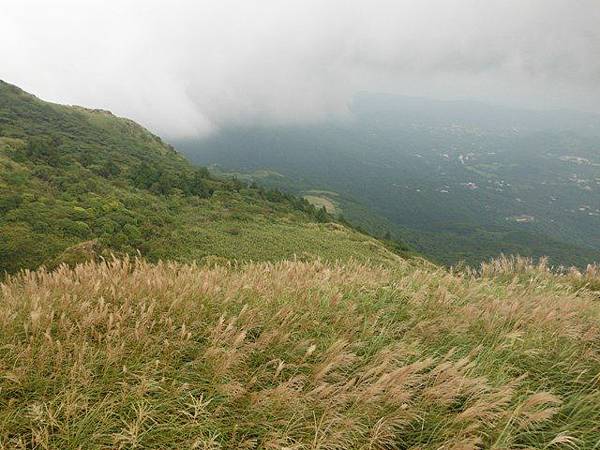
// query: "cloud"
[[185, 68]]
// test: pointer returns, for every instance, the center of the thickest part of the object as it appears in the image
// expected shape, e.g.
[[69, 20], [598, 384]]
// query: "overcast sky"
[[185, 68]]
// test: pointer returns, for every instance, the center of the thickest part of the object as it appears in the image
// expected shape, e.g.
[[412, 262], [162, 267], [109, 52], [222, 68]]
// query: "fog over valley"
[[187, 68]]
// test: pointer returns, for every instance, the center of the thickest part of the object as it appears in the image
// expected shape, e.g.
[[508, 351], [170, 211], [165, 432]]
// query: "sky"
[[186, 68]]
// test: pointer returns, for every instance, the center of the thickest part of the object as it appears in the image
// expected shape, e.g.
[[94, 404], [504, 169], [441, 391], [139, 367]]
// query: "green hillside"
[[77, 183]]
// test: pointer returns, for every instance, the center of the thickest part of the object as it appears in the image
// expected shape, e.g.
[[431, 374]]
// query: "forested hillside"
[[77, 183]]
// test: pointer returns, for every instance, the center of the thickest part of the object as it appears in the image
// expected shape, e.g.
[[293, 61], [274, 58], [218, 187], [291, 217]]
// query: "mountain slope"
[[77, 183], [370, 352]]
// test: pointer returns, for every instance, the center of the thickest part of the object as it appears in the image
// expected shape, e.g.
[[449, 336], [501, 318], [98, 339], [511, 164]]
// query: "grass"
[[299, 355], [275, 240], [322, 201], [233, 227]]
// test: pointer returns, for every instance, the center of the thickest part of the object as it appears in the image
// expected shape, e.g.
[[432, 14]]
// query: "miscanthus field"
[[300, 355]]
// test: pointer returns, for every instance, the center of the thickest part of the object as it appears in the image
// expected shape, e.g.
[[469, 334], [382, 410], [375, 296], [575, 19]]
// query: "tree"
[[109, 169], [44, 148], [197, 186], [322, 215]]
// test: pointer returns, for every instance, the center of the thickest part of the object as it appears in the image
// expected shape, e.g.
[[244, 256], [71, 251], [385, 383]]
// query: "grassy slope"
[[70, 175], [299, 355]]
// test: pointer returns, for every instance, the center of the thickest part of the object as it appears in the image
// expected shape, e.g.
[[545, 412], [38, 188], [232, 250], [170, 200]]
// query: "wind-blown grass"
[[298, 355]]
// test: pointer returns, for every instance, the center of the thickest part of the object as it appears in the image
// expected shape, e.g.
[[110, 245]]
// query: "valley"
[[457, 181]]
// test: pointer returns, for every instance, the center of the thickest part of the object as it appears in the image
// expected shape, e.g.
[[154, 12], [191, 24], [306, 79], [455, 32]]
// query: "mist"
[[188, 68]]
